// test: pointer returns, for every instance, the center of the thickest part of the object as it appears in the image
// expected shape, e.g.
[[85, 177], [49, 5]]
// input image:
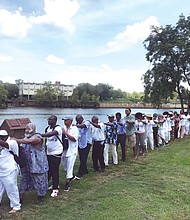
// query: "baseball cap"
[[3, 133], [67, 118], [111, 116]]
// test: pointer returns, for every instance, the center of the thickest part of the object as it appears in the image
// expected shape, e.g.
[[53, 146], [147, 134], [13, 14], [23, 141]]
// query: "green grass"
[[154, 187]]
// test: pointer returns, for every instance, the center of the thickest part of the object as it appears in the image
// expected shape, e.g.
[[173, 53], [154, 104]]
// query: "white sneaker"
[[55, 193], [51, 187]]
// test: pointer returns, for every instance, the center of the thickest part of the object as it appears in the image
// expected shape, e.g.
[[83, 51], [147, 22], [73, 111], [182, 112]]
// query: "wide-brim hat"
[[149, 115]]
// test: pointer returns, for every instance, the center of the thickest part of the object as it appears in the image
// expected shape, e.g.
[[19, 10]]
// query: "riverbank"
[[137, 105], [101, 105]]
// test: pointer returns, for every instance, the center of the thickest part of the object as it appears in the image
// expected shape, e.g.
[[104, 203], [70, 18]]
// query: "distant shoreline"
[[145, 106], [107, 105]]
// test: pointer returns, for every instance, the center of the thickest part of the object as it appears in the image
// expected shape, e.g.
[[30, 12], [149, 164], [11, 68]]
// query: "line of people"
[[61, 144]]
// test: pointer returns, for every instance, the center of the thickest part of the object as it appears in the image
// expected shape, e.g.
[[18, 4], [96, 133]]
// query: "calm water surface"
[[39, 116]]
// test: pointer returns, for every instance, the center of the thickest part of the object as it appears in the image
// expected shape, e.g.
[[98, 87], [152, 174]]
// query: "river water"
[[39, 116]]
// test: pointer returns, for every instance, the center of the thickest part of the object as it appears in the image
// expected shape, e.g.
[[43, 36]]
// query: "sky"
[[81, 41]]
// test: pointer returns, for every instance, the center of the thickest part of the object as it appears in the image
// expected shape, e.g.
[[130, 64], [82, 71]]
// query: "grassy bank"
[[154, 187]]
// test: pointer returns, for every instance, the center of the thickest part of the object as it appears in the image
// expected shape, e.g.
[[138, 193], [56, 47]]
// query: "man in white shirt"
[[84, 144], [54, 151], [140, 134], [98, 138], [69, 156], [9, 171], [149, 131]]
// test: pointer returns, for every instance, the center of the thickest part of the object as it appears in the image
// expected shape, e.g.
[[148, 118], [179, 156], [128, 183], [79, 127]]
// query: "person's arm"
[[95, 125], [81, 126], [109, 124], [4, 144], [50, 134], [70, 137], [33, 141], [131, 121], [120, 123]]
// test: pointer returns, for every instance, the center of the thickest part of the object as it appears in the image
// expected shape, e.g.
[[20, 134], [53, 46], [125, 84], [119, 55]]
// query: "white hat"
[[68, 118], [3, 133]]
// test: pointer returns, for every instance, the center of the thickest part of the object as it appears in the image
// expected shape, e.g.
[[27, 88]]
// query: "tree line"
[[84, 95]]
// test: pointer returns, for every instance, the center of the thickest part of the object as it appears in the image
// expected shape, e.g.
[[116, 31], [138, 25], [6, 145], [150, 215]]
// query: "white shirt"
[[140, 127], [54, 146], [149, 126], [98, 133], [7, 161], [73, 145]]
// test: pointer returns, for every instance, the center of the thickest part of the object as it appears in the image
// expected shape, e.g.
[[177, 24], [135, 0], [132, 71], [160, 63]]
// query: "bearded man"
[[35, 175]]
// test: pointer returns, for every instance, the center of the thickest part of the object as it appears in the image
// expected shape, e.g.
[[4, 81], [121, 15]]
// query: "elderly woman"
[[35, 175]]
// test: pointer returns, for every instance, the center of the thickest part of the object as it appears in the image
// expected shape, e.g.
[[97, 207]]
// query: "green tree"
[[48, 95], [104, 91], [12, 89], [169, 54], [3, 95]]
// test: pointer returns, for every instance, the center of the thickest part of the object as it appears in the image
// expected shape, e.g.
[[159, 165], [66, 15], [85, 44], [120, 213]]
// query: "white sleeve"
[[75, 132], [13, 146]]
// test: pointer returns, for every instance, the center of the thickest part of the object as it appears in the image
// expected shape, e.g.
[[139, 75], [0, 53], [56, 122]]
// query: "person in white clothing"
[[98, 138], [69, 156], [9, 171], [110, 141], [182, 123], [187, 118], [140, 124], [149, 131], [53, 134], [161, 130]]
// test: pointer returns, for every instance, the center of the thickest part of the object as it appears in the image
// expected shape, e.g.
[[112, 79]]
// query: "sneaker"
[[55, 193], [78, 177], [51, 187], [73, 178], [66, 187], [13, 211]]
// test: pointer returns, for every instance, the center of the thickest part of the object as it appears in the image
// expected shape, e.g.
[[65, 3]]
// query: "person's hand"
[[64, 131]]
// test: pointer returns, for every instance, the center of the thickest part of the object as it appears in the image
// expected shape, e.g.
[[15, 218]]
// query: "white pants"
[[161, 136], [150, 140], [68, 165], [114, 153], [9, 184]]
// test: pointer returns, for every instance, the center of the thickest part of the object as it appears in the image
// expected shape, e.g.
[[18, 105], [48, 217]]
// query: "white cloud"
[[13, 24], [106, 67], [132, 34], [56, 60], [58, 13], [5, 59], [124, 79], [8, 79]]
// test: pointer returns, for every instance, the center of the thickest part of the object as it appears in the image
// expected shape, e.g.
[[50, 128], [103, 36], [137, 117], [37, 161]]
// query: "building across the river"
[[28, 89]]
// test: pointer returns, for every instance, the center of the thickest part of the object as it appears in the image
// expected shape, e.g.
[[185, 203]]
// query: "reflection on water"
[[39, 115]]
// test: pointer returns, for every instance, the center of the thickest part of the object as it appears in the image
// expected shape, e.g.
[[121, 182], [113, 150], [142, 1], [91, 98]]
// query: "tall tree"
[[12, 89], [3, 95], [47, 96], [169, 54]]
